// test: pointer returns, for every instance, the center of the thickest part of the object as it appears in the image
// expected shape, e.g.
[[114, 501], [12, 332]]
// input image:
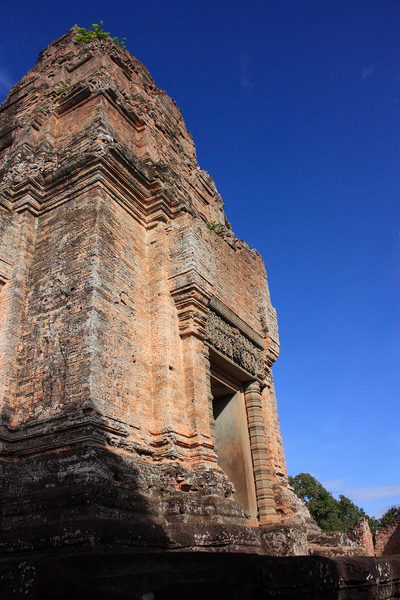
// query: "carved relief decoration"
[[230, 341]]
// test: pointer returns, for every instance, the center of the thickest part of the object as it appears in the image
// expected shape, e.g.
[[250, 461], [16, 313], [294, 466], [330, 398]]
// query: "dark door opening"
[[232, 442]]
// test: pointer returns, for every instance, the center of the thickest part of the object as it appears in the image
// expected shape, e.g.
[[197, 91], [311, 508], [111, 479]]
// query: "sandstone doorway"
[[232, 439]]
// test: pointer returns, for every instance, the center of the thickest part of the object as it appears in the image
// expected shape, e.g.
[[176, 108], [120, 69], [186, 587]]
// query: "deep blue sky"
[[294, 109]]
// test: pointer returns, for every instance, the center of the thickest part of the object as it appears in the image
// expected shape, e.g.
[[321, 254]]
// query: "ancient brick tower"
[[136, 332]]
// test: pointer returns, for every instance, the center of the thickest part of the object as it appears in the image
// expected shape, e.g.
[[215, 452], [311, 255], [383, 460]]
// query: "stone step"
[[336, 552]]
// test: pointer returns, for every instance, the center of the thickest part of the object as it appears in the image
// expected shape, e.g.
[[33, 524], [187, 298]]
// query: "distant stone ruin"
[[361, 533], [387, 539], [137, 336]]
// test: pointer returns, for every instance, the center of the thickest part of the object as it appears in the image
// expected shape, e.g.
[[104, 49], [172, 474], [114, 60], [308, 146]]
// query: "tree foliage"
[[84, 36], [390, 515], [348, 512], [330, 514]]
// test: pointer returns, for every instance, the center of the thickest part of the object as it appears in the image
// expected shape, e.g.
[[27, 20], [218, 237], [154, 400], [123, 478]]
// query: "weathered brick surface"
[[118, 303], [361, 534], [387, 539]]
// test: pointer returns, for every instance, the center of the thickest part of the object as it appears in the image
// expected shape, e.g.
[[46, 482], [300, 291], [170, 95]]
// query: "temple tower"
[[137, 333]]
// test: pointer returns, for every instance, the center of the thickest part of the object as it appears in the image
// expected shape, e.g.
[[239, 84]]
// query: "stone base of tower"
[[103, 574], [85, 496]]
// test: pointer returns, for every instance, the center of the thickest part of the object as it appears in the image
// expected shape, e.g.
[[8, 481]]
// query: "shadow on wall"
[[78, 496], [387, 540]]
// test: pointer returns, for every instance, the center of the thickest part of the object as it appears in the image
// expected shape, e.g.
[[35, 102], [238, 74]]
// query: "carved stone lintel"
[[232, 318], [233, 343]]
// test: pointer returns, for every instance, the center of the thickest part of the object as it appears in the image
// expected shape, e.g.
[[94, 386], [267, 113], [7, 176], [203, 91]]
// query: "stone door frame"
[[234, 348]]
